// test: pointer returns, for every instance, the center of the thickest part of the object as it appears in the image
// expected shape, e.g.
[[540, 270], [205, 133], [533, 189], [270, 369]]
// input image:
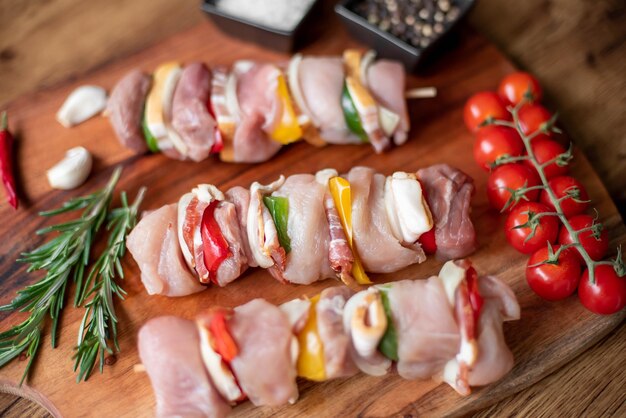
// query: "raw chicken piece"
[[263, 366], [125, 110], [251, 144], [375, 243], [308, 230], [449, 192], [240, 197], [190, 115], [321, 81], [494, 357], [260, 111], [154, 245], [386, 80], [232, 267], [169, 349], [337, 345], [428, 336]]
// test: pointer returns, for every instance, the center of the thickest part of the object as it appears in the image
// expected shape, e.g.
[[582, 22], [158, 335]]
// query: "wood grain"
[[577, 49], [540, 346]]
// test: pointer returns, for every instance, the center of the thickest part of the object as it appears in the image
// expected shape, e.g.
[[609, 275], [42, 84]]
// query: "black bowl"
[[276, 39], [388, 45]]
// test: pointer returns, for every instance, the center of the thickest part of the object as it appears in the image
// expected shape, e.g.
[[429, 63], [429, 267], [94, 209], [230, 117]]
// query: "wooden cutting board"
[[547, 336]]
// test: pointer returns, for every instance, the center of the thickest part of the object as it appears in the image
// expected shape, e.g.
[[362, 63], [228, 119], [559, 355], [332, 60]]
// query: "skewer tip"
[[421, 93]]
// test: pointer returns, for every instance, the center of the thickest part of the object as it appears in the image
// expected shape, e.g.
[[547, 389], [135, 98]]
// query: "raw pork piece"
[[190, 115], [449, 193], [321, 81], [337, 345], [169, 349], [428, 335], [260, 111], [263, 366], [494, 357], [375, 243], [240, 197], [308, 230], [125, 110], [232, 267], [154, 245], [386, 81]]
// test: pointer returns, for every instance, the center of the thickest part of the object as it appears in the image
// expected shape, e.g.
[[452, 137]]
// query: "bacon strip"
[[339, 251], [193, 218]]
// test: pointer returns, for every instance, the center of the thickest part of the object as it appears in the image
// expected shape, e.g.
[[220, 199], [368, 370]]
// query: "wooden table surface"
[[576, 48]]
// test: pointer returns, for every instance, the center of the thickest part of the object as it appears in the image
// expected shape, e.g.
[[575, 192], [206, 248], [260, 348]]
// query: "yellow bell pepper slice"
[[352, 61], [342, 196], [288, 129], [310, 363]]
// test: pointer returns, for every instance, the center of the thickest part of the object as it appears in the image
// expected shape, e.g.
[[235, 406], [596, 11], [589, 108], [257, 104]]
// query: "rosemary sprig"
[[561, 160], [99, 324], [63, 258]]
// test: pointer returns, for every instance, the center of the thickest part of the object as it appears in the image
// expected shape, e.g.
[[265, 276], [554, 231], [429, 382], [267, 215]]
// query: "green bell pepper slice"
[[279, 209], [389, 343], [351, 115], [151, 141]]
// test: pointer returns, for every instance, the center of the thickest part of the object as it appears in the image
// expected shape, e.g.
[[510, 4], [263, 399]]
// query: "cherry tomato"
[[546, 231], [553, 281], [510, 176], [607, 295], [532, 117], [516, 86], [560, 186], [495, 141], [482, 106], [546, 150], [596, 248]]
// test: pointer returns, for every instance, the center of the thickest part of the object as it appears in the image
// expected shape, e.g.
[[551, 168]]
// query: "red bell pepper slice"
[[428, 242], [219, 141], [215, 247], [427, 239], [225, 345]]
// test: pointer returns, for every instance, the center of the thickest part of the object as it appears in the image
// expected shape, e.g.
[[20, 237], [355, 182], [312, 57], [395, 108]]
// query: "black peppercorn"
[[416, 22]]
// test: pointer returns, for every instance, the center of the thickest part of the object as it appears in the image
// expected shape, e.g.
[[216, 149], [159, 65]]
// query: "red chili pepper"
[[6, 161], [215, 247], [476, 300], [225, 345]]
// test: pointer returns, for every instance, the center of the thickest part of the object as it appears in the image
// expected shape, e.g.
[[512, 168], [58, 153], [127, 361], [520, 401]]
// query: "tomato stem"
[[560, 160]]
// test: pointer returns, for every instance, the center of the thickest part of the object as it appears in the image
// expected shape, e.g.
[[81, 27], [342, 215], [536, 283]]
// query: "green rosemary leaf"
[[63, 258], [98, 326]]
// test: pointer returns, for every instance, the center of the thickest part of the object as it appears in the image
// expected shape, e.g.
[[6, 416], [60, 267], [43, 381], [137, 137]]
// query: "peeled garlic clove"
[[71, 171], [82, 104]]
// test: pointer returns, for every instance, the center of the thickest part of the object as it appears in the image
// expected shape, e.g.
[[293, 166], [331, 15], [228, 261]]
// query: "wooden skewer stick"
[[139, 368], [421, 93]]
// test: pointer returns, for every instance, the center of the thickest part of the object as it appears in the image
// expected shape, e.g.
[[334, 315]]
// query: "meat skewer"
[[204, 368], [305, 228], [248, 113]]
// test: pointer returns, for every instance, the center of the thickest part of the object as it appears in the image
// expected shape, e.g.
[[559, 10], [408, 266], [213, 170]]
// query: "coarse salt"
[[278, 14]]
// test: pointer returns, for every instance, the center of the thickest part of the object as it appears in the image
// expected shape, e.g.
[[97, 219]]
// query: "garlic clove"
[[71, 171], [82, 104]]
